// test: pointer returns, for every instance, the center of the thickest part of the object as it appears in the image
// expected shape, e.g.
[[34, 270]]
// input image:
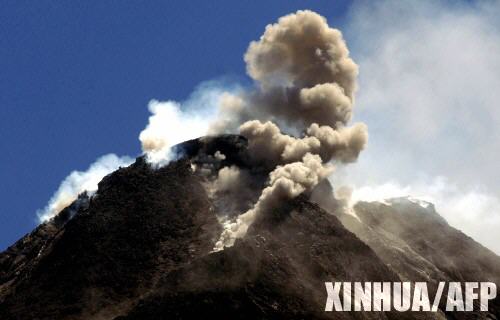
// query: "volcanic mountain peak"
[[142, 248]]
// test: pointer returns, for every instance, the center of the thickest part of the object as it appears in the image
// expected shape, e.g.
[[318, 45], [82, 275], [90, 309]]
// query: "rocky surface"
[[141, 248]]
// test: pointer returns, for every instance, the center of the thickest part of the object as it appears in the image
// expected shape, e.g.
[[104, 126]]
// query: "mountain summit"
[[142, 247]]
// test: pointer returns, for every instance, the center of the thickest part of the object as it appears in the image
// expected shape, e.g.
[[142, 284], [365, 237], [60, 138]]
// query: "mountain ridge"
[[142, 248]]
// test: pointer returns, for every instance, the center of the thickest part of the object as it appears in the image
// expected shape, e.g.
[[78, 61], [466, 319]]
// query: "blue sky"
[[76, 77]]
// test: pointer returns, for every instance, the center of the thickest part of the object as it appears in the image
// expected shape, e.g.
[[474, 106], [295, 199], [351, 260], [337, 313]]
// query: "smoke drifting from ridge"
[[434, 106], [168, 126], [80, 181], [473, 210], [170, 123]]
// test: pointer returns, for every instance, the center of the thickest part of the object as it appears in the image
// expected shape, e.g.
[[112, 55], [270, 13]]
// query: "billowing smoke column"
[[305, 82], [269, 146], [285, 182], [304, 72]]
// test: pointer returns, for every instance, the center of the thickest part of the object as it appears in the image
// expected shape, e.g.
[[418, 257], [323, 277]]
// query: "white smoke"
[[170, 123], [429, 89], [80, 181], [168, 126], [472, 210], [174, 122]]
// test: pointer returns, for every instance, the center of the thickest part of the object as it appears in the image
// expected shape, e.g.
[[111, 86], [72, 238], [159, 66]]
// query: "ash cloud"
[[303, 74], [228, 179], [304, 83], [285, 182], [303, 70], [268, 145]]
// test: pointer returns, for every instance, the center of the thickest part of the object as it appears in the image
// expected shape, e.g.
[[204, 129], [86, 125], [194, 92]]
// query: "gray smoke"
[[305, 83], [303, 75], [303, 71], [269, 146], [285, 182], [228, 179]]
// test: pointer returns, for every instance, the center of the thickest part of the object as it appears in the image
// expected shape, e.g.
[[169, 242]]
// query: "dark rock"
[[141, 248]]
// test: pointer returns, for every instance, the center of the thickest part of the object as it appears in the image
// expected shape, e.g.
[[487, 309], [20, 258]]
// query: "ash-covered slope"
[[416, 243], [276, 272], [141, 224], [141, 248], [421, 246]]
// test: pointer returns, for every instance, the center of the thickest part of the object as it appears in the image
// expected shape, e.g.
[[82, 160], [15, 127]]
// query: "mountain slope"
[[414, 241], [141, 248], [276, 272], [141, 223]]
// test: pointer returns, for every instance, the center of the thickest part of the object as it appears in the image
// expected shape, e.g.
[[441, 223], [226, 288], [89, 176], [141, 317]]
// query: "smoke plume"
[[268, 145], [168, 126], [80, 181], [473, 210], [228, 178], [303, 71], [304, 82], [285, 182]]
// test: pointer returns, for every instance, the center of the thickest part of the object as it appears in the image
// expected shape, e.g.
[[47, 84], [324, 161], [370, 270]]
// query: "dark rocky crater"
[[141, 248]]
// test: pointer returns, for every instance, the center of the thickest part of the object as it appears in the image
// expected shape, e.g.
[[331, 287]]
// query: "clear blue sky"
[[76, 77]]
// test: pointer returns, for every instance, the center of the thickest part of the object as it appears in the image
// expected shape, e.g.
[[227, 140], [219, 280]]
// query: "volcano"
[[142, 247]]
